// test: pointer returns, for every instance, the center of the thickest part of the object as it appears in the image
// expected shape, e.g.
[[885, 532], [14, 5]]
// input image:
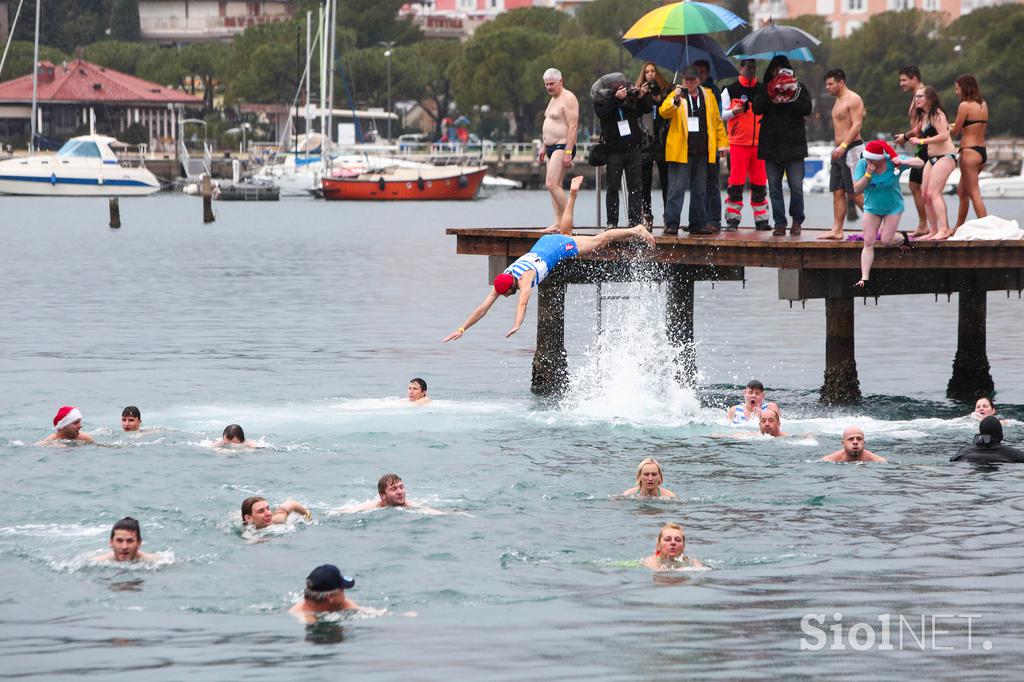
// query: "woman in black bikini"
[[971, 124], [941, 160]]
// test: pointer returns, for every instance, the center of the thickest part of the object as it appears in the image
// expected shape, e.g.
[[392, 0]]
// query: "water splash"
[[629, 374]]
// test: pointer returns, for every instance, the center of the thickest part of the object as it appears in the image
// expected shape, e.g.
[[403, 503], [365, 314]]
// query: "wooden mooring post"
[[115, 213], [841, 386], [207, 199]]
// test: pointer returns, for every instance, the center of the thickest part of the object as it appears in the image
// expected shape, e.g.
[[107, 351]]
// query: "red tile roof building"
[[79, 94]]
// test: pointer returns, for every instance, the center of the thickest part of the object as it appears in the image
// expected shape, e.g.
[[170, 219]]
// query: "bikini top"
[[970, 123]]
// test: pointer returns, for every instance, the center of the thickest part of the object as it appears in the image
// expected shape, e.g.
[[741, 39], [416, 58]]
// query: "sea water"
[[303, 321]]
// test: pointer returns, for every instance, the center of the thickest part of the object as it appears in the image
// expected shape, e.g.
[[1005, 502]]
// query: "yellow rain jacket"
[[675, 145]]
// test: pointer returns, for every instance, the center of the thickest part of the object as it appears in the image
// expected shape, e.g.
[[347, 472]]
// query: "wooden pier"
[[807, 268]]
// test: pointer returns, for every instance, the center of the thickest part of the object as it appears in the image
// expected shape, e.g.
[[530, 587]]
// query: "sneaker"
[[779, 231], [761, 225], [795, 229], [732, 224], [671, 231], [611, 226]]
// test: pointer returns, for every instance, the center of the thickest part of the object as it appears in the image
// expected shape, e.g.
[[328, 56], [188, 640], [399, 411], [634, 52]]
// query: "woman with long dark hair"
[[655, 87], [971, 125], [942, 159]]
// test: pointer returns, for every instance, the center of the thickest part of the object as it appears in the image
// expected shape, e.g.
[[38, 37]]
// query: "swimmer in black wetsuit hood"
[[988, 448]]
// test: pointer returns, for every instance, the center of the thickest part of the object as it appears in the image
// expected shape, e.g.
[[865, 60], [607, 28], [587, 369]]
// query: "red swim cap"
[[503, 282]]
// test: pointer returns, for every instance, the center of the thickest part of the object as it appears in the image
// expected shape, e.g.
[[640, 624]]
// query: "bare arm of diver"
[[525, 287], [475, 316]]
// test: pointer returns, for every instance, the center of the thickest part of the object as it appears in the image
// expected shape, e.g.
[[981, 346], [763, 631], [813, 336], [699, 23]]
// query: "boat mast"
[[324, 16], [330, 97], [35, 81], [309, 47]]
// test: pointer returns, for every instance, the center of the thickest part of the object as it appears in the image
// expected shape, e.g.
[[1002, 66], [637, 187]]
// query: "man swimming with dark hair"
[[417, 392], [131, 418], [125, 541], [233, 435]]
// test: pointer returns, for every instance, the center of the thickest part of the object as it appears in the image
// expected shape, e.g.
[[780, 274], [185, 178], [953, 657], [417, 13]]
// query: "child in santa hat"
[[877, 175]]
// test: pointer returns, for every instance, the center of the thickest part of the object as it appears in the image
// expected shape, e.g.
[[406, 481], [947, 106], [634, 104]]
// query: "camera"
[[633, 92], [653, 88]]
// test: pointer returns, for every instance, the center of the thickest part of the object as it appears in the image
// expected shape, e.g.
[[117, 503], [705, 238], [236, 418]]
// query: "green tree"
[[19, 59], [611, 18], [205, 62], [118, 55], [124, 20], [376, 21], [499, 69], [545, 20], [261, 64], [65, 24]]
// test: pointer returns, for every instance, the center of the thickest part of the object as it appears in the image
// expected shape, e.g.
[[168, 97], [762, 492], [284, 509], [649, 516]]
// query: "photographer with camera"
[[744, 129], [619, 106], [655, 130], [695, 136]]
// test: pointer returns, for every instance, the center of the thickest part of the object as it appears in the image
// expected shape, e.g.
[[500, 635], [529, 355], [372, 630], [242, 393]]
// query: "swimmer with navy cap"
[[325, 591]]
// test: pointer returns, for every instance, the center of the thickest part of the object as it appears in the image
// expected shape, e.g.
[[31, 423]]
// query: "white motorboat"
[[84, 166], [1011, 187]]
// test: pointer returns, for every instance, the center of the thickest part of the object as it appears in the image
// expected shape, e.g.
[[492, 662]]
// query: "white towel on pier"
[[989, 227]]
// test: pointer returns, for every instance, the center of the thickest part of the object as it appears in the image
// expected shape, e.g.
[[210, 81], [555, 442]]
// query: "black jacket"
[[608, 112], [783, 132], [980, 454]]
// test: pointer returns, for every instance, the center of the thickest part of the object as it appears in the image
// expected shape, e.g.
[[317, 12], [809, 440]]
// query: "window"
[[855, 6], [901, 5], [930, 5], [826, 7]]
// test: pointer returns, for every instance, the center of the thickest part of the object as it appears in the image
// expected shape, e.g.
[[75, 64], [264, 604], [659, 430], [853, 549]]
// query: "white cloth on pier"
[[989, 227]]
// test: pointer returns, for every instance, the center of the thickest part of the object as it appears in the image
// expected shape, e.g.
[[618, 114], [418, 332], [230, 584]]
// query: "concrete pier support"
[[970, 364], [550, 363], [841, 387], [679, 325]]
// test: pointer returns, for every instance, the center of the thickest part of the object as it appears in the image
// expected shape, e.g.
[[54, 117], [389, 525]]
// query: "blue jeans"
[[794, 171], [692, 176]]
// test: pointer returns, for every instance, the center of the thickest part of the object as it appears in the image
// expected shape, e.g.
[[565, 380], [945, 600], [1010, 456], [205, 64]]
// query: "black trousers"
[[627, 162], [647, 165]]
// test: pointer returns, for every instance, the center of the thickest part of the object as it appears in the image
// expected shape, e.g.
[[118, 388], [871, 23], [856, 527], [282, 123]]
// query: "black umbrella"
[[774, 38]]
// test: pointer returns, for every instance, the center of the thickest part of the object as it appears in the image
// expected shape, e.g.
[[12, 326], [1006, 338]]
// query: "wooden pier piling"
[[841, 386], [807, 269], [970, 364], [115, 213]]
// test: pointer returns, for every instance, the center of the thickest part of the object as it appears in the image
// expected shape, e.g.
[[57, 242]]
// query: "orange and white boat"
[[440, 183]]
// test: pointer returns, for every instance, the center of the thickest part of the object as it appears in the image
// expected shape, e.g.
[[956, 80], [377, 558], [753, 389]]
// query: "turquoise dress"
[[882, 195]]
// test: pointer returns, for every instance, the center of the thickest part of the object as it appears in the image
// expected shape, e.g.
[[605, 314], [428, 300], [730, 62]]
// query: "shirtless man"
[[753, 402], [847, 119], [67, 425], [256, 512], [125, 540], [417, 392], [853, 448], [233, 435], [561, 123], [530, 270], [770, 423], [131, 418], [325, 591], [910, 81], [391, 492]]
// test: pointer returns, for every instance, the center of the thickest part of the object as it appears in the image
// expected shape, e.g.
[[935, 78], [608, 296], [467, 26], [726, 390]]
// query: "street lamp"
[[388, 45], [387, 55]]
